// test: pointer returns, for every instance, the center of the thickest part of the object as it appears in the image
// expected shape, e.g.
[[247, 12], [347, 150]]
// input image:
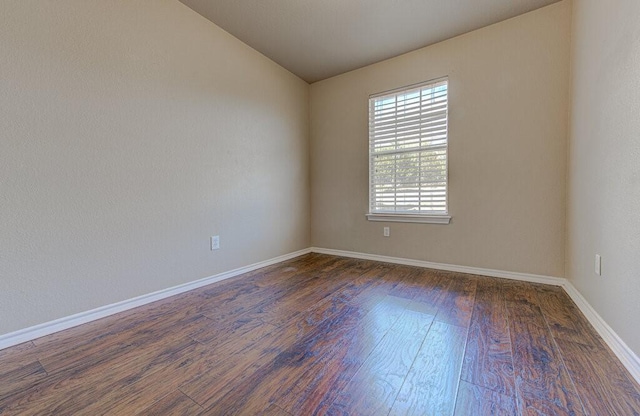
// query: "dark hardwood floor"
[[329, 335]]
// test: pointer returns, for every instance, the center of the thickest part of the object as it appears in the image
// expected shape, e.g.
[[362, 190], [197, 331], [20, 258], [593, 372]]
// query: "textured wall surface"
[[603, 207], [130, 132], [508, 106]]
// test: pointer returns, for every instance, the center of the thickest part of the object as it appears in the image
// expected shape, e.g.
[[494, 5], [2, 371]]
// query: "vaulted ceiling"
[[317, 39]]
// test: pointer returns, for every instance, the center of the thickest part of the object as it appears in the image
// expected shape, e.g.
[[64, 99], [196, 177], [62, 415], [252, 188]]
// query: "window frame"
[[433, 217]]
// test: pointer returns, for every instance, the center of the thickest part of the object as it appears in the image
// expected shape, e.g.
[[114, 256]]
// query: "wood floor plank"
[[432, 285], [318, 387], [520, 293], [411, 283], [242, 331], [488, 361], [158, 317], [282, 302], [19, 378], [565, 320], [174, 404], [600, 380], [476, 400], [284, 308], [204, 386], [324, 324], [88, 354], [273, 410], [244, 362], [229, 301], [131, 396], [323, 335], [291, 365], [373, 286], [259, 389], [73, 392], [17, 356], [103, 330], [543, 383], [374, 387], [368, 288], [84, 379], [431, 385], [455, 305]]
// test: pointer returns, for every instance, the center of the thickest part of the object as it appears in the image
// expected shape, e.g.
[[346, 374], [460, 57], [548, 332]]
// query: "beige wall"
[[130, 132], [604, 162], [509, 92]]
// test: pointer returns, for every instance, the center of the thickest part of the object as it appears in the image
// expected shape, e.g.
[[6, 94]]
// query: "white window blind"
[[408, 150]]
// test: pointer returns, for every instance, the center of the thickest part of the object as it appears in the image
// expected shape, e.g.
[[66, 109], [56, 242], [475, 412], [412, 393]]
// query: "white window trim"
[[426, 218], [414, 218]]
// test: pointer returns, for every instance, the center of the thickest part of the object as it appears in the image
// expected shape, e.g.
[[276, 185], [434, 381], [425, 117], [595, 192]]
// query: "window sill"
[[424, 219]]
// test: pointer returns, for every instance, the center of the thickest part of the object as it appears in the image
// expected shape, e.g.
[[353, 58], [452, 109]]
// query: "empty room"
[[297, 207]]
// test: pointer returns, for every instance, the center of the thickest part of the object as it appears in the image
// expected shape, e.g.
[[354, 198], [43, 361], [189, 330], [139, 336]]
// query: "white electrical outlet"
[[385, 231], [598, 265], [215, 242]]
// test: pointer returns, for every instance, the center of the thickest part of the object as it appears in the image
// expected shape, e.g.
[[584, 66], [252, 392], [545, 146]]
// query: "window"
[[408, 154]]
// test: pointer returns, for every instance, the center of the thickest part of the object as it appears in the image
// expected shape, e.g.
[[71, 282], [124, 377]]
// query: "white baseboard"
[[535, 278], [628, 358], [37, 331]]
